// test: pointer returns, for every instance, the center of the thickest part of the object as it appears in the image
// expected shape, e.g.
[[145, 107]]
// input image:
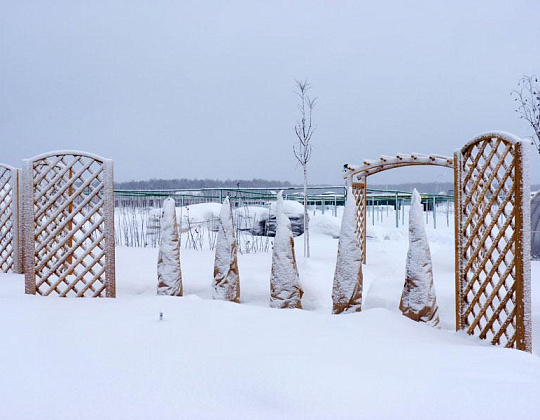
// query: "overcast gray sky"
[[173, 89]]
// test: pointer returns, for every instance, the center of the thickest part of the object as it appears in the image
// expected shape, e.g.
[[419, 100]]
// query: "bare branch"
[[302, 150], [528, 104]]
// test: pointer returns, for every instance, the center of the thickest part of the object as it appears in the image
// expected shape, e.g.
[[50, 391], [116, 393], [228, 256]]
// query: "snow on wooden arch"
[[492, 217], [68, 219], [493, 240], [10, 251]]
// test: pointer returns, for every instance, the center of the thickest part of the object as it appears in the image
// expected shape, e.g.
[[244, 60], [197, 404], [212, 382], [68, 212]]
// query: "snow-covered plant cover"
[[348, 279], [285, 289], [226, 279], [169, 272], [418, 300]]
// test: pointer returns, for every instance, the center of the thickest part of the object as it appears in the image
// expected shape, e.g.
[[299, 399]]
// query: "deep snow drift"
[[114, 359]]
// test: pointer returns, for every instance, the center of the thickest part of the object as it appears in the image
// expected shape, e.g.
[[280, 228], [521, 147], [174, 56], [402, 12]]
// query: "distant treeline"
[[172, 184], [427, 187], [423, 187]]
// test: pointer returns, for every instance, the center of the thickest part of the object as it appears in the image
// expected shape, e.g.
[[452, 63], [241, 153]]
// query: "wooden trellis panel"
[[359, 190], [68, 216], [10, 251], [493, 240]]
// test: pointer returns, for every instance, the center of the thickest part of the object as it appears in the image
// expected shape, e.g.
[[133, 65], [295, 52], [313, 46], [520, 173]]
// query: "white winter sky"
[[205, 89]]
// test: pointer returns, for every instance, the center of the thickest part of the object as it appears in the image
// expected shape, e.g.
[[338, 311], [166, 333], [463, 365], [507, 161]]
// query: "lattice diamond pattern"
[[488, 284], [359, 192], [69, 226], [7, 224]]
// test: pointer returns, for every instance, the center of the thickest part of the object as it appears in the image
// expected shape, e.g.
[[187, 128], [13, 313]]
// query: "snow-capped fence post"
[[348, 279], [434, 213], [492, 210], [168, 266], [396, 206], [285, 289], [68, 224], [418, 300], [10, 238], [226, 277]]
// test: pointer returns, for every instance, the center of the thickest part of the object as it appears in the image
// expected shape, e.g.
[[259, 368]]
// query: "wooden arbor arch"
[[371, 167], [492, 232]]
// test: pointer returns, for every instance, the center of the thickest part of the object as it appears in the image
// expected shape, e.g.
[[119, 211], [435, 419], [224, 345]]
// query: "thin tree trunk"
[[306, 223]]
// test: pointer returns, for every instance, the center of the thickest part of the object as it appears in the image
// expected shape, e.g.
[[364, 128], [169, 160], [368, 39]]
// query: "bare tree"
[[304, 130], [528, 98]]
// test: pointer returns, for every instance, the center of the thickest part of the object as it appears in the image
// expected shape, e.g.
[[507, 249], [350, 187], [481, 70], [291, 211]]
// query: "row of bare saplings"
[[137, 226], [418, 300]]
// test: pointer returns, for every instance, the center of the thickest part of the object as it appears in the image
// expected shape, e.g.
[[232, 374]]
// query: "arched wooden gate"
[[68, 217], [371, 167], [492, 215]]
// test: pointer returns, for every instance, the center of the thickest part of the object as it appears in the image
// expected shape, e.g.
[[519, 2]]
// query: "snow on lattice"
[[9, 226], [68, 224], [348, 279], [285, 289], [418, 300], [168, 267], [359, 191], [226, 278], [493, 237]]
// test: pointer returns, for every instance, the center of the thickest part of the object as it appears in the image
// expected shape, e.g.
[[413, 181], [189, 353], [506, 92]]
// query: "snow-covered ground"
[[114, 358]]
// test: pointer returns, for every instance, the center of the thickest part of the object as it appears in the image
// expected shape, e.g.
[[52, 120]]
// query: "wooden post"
[[434, 212], [28, 223], [522, 251], [457, 239], [17, 224], [108, 210], [397, 211]]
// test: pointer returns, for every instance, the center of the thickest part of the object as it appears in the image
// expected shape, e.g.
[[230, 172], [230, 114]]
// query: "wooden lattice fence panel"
[[360, 194], [10, 255], [68, 216], [493, 240]]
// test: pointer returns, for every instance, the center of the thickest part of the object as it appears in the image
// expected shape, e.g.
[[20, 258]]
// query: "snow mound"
[[290, 208], [325, 224]]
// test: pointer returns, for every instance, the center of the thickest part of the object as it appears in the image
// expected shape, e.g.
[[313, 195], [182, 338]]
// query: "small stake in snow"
[[285, 289], [418, 300], [161, 316], [169, 272]]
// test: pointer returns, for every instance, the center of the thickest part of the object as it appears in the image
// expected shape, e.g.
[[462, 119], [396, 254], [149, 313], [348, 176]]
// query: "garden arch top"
[[370, 167]]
